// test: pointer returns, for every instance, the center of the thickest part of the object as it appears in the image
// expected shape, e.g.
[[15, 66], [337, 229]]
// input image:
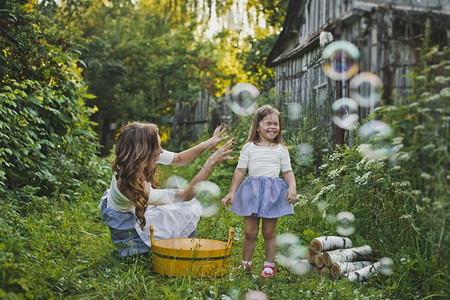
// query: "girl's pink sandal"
[[266, 274], [246, 267]]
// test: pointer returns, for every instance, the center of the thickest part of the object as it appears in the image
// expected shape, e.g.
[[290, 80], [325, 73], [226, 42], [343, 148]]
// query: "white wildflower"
[[445, 92], [421, 77], [390, 108], [405, 183], [407, 216], [437, 97], [323, 166], [325, 150], [362, 180], [428, 147], [441, 79], [425, 175], [397, 140], [404, 156], [334, 156], [361, 163], [362, 148], [425, 95], [426, 109], [330, 187], [419, 127], [416, 192], [334, 173], [316, 181], [396, 168], [426, 200]]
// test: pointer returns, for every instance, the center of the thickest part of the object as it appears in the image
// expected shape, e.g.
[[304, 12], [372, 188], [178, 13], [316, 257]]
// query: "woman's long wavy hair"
[[136, 162], [261, 113]]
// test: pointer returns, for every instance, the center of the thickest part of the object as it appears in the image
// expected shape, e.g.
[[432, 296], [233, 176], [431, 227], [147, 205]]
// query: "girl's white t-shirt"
[[264, 161], [120, 203]]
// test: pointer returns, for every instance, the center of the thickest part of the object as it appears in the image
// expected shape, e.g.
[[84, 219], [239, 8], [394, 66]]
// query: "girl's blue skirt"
[[262, 197]]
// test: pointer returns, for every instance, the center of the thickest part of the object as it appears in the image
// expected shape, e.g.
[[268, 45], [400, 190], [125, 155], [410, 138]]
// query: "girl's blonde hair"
[[261, 113], [136, 162]]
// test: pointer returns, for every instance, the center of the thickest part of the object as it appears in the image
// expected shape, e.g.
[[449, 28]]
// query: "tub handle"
[[230, 238], [152, 236]]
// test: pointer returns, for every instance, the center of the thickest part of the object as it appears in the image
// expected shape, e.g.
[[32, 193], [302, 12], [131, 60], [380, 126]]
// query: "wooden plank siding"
[[385, 49]]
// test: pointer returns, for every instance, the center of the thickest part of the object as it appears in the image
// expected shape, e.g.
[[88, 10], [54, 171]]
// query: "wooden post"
[[338, 131]]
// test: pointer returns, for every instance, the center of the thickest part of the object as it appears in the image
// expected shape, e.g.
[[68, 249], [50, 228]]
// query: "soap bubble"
[[290, 251], [365, 88], [256, 295], [294, 110], [208, 195], [376, 133], [345, 223], [176, 182], [304, 154], [386, 267], [243, 97], [345, 113], [375, 129], [340, 60]]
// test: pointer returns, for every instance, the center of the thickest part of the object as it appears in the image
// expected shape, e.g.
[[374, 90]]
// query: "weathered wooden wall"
[[385, 37]]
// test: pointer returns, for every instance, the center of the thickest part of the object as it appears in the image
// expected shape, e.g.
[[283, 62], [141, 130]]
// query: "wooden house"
[[387, 34]]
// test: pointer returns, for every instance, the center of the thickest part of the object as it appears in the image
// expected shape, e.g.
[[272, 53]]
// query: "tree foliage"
[[46, 138]]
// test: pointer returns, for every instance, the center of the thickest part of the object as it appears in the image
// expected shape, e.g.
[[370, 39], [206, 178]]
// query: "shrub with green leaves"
[[400, 201]]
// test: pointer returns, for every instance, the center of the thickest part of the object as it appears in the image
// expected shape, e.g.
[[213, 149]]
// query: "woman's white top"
[[264, 161], [120, 203]]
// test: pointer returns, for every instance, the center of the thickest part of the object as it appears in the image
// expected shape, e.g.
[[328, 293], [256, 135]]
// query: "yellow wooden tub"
[[191, 256]]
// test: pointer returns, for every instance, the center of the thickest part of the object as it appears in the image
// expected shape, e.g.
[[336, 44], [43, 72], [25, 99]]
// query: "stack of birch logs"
[[334, 256]]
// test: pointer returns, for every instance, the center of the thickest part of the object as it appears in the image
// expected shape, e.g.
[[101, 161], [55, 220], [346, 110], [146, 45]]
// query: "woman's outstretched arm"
[[186, 156]]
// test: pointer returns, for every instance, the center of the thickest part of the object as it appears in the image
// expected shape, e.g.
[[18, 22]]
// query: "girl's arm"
[[185, 157], [238, 176], [291, 194]]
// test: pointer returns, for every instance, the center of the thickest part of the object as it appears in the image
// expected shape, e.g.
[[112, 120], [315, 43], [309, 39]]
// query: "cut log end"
[[325, 272], [319, 260], [315, 245], [310, 256], [335, 270]]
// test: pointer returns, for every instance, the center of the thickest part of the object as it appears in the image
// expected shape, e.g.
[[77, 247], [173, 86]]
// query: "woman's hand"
[[216, 139], [222, 153]]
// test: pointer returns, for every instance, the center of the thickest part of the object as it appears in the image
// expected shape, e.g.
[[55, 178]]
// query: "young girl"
[[263, 195], [133, 202]]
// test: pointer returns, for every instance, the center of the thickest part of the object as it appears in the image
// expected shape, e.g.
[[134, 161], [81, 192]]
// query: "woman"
[[133, 202]]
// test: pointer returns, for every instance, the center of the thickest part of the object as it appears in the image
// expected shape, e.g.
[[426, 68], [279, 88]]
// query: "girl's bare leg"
[[251, 232], [269, 227]]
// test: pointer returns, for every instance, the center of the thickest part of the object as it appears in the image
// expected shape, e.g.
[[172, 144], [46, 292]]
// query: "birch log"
[[364, 273], [351, 254], [319, 260], [325, 243], [310, 255], [325, 271], [340, 268]]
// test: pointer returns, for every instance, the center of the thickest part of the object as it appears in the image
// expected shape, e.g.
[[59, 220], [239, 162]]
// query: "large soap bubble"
[[345, 223], [208, 195], [243, 99], [365, 88], [341, 60], [345, 113]]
